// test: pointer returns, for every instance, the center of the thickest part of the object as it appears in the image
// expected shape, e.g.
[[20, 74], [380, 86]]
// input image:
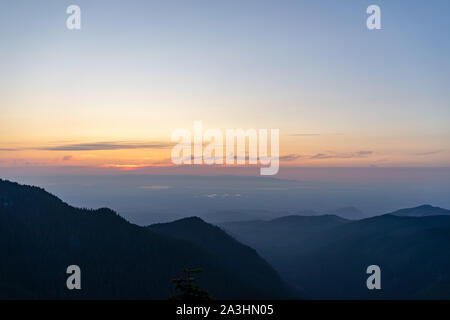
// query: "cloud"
[[67, 158], [322, 156], [107, 146], [165, 161], [426, 153], [95, 146], [364, 153], [333, 155], [290, 157], [11, 149]]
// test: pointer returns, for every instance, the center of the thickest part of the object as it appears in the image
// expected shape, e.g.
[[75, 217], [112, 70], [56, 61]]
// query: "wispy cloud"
[[364, 153], [426, 153], [321, 156], [166, 161], [334, 155], [290, 157], [11, 149], [327, 155], [97, 146], [107, 146]]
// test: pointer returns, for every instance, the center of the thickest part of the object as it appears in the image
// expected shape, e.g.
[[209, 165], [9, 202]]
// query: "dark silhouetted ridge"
[[231, 254], [40, 236]]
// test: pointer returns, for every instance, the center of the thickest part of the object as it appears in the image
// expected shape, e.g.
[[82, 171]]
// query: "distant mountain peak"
[[421, 211], [426, 206], [193, 219]]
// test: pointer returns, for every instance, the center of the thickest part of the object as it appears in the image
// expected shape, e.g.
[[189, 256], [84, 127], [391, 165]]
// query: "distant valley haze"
[[353, 193]]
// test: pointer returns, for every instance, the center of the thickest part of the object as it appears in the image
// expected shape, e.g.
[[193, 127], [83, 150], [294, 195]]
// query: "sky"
[[110, 95]]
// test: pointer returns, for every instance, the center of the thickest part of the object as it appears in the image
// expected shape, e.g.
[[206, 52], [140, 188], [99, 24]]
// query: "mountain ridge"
[[421, 211], [40, 235], [329, 260]]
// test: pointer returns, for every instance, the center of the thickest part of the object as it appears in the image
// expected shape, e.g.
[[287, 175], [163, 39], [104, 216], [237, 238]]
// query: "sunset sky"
[[111, 94]]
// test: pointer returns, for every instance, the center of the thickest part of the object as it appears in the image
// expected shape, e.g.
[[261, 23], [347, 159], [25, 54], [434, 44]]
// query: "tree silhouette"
[[189, 290]]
